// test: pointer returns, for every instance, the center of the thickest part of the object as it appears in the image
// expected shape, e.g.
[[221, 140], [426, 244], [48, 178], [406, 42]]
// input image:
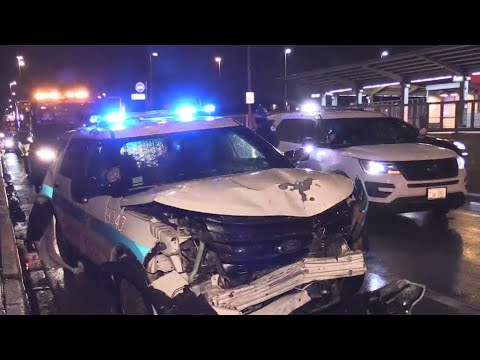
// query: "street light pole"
[[219, 61], [21, 63], [249, 85], [150, 80], [287, 51], [17, 115]]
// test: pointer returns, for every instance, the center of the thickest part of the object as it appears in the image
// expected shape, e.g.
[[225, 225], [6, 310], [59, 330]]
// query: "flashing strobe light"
[[94, 119], [81, 94], [209, 108], [54, 95], [186, 112], [116, 117], [310, 107]]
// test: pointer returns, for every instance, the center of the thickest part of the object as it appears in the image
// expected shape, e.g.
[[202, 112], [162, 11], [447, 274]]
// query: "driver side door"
[[71, 215]]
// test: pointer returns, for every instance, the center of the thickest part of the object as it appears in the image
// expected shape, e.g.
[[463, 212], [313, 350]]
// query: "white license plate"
[[436, 193]]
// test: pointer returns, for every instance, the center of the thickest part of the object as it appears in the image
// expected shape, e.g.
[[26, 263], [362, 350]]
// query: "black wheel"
[[440, 214], [350, 286], [131, 300], [440, 211], [67, 251]]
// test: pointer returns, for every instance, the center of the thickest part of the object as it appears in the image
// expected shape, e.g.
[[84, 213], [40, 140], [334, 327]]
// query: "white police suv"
[[197, 214], [398, 173]]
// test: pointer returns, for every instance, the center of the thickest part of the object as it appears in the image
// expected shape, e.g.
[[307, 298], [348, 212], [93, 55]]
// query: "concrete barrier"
[[14, 295]]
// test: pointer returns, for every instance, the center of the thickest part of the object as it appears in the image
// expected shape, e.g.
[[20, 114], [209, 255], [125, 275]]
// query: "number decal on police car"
[[117, 221]]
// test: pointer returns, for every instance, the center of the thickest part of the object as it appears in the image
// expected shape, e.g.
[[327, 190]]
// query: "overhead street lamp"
[[218, 60], [384, 54], [21, 63], [12, 84], [286, 52]]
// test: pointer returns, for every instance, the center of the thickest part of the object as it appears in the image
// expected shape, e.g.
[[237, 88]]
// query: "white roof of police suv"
[[153, 126]]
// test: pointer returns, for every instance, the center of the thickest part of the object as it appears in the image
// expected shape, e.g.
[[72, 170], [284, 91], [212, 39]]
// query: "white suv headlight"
[[461, 163], [378, 168]]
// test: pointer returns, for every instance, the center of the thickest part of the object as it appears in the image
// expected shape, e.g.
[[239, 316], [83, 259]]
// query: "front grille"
[[433, 184], [428, 169], [256, 243]]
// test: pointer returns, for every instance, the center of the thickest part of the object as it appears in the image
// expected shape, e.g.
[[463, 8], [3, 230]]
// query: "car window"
[[175, 157], [75, 159], [296, 130], [367, 131]]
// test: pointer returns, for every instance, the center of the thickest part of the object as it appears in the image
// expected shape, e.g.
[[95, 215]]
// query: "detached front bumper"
[[291, 279]]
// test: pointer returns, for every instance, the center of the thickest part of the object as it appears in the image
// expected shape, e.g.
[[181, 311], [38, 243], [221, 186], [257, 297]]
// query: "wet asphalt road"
[[442, 254]]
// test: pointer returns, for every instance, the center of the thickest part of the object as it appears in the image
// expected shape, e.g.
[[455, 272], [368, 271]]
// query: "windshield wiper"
[[141, 188]]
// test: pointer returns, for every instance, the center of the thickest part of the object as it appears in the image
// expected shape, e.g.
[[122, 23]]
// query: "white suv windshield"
[[366, 131]]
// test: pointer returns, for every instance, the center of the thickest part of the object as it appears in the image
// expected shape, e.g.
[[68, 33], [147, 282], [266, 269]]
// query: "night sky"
[[180, 71]]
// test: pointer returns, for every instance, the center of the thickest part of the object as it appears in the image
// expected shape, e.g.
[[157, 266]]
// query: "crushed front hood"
[[273, 192]]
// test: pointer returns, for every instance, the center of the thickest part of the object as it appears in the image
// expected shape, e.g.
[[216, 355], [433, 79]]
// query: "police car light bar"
[[117, 120]]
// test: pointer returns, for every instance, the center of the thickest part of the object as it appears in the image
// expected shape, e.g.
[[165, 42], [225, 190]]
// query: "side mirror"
[[296, 156], [83, 189]]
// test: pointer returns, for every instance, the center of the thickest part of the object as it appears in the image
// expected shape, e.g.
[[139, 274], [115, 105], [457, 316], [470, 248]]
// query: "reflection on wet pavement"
[[443, 254]]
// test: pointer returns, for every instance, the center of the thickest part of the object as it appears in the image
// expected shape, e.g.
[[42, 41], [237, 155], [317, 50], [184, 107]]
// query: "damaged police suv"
[[197, 214]]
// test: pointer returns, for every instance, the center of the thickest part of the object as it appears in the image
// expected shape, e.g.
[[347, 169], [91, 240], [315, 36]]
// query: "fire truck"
[[53, 113]]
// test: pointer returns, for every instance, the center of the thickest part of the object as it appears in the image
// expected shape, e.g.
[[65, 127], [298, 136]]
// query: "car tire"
[[440, 213], [68, 253], [350, 286], [130, 299]]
